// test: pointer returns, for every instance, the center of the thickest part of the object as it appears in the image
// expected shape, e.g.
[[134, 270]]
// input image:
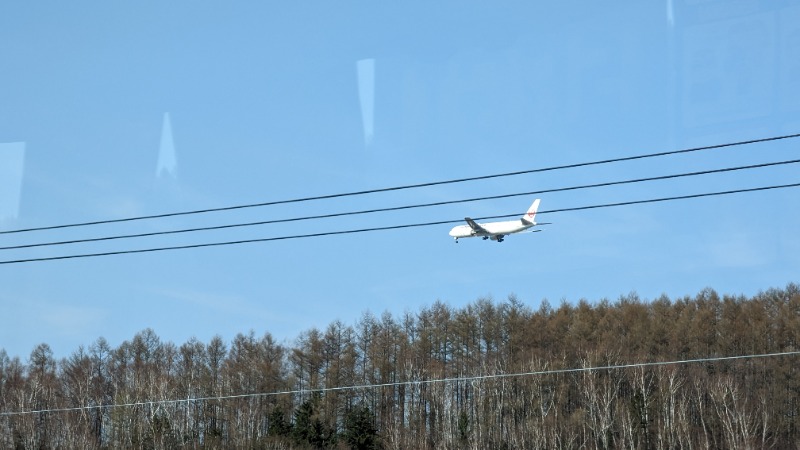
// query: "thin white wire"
[[402, 383]]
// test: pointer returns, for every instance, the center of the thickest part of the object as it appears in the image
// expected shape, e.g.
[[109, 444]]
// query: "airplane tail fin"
[[530, 216]]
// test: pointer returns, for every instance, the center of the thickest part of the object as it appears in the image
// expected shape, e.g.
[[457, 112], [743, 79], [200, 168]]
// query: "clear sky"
[[116, 110]]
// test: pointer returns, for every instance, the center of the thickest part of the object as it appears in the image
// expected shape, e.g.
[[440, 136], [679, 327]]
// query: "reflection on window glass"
[[12, 158]]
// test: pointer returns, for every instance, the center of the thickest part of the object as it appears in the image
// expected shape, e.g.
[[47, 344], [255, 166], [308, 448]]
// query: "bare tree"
[[600, 391]]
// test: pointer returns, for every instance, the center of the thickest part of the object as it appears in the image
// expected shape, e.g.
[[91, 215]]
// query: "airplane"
[[497, 231]]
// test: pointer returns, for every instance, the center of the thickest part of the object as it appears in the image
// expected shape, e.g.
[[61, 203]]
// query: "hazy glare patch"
[[366, 94], [12, 158], [738, 250], [72, 320], [729, 71], [229, 304], [167, 161], [670, 13]]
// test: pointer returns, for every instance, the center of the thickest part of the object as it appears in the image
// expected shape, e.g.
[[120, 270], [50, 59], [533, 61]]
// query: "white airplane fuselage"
[[496, 231], [493, 229]]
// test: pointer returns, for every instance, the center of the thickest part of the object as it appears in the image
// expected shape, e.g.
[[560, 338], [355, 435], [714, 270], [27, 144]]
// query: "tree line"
[[379, 383]]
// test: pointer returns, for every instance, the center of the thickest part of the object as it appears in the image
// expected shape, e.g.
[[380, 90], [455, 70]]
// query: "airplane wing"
[[475, 227]]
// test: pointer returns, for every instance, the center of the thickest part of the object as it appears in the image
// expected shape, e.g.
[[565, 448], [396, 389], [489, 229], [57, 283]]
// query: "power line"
[[496, 376], [409, 186], [398, 208], [386, 228]]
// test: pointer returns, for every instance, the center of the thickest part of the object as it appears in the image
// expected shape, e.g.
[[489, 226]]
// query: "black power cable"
[[393, 227], [398, 208], [409, 186]]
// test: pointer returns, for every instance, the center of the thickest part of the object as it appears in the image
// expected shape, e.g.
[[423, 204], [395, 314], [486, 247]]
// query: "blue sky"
[[269, 102]]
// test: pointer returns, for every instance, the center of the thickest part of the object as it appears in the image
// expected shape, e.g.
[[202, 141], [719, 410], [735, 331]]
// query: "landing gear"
[[485, 238], [499, 239]]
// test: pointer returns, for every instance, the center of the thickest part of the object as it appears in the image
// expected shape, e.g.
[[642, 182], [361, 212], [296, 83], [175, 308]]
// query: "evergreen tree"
[[278, 426], [302, 431], [309, 429], [463, 427], [360, 432]]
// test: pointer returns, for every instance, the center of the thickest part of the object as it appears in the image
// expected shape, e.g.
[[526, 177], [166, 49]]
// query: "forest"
[[491, 374]]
